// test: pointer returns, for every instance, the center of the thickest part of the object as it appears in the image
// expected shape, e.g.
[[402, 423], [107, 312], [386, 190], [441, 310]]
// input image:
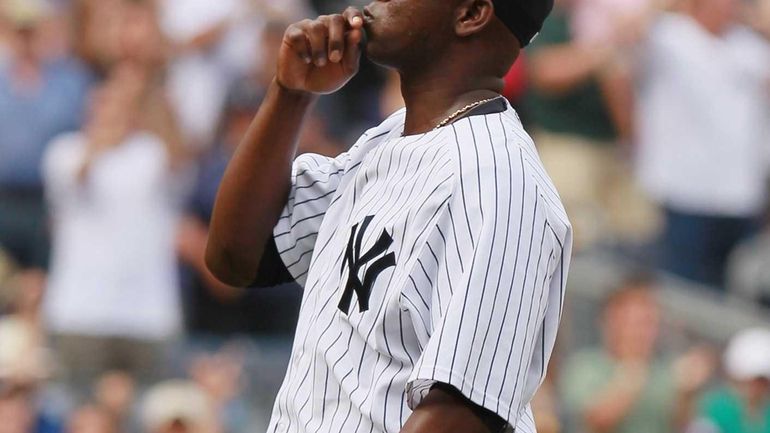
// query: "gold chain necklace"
[[462, 111]]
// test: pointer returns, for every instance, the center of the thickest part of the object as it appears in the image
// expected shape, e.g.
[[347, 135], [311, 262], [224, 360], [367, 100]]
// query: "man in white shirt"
[[433, 253], [702, 120], [113, 292]]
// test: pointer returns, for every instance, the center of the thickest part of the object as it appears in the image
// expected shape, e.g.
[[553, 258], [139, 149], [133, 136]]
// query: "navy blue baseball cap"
[[524, 18]]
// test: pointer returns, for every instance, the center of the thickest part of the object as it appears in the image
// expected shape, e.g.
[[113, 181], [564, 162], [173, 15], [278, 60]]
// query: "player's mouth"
[[368, 17]]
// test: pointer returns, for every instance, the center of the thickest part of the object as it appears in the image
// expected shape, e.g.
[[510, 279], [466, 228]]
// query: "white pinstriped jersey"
[[438, 257]]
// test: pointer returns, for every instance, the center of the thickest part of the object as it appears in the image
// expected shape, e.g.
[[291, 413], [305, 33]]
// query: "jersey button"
[[281, 427]]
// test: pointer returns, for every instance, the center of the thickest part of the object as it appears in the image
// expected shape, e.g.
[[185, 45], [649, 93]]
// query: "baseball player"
[[433, 253]]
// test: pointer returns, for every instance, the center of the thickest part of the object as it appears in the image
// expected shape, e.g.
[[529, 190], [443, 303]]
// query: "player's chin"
[[382, 54]]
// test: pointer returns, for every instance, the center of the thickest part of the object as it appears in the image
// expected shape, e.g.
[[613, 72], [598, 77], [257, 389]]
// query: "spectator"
[[623, 386], [40, 97], [114, 394], [140, 39], [115, 191], [96, 25], [221, 376], [703, 139], [24, 365], [18, 412], [177, 406], [578, 103], [743, 405]]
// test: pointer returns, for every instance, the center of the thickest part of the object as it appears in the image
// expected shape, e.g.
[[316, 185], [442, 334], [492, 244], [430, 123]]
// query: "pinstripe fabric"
[[482, 248]]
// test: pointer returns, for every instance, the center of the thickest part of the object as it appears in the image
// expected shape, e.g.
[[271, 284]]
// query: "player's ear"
[[472, 16]]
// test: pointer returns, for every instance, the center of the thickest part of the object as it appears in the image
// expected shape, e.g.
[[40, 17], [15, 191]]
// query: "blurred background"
[[118, 117]]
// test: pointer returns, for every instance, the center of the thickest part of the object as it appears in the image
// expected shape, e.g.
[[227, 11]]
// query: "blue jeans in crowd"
[[697, 246]]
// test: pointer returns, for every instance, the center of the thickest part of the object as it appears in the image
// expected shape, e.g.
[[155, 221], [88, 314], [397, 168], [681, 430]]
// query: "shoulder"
[[746, 38], [481, 143], [397, 117], [374, 136], [63, 151], [386, 127], [584, 370], [393, 121], [65, 144], [495, 150], [748, 35], [672, 29]]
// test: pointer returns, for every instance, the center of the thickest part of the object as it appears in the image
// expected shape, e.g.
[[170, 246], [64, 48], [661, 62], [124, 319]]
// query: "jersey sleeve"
[[314, 182], [492, 275]]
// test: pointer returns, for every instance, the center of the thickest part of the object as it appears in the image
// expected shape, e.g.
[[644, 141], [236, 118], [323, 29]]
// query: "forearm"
[[559, 69], [255, 187]]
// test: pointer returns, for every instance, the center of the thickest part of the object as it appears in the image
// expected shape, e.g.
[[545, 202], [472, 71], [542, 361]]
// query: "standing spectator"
[[623, 386], [743, 406], [107, 32], [40, 97], [578, 105], [96, 28], [703, 117], [114, 190]]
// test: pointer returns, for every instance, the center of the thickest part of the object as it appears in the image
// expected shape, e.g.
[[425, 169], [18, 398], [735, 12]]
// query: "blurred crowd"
[[118, 118]]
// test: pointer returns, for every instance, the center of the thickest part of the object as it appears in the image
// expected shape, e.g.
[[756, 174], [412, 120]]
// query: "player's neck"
[[432, 96]]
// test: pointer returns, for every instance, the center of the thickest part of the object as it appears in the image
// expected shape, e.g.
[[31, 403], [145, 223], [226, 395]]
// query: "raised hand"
[[320, 56]]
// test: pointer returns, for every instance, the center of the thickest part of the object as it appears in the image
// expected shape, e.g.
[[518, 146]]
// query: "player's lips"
[[368, 17]]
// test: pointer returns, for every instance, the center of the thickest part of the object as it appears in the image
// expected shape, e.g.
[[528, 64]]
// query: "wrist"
[[294, 95]]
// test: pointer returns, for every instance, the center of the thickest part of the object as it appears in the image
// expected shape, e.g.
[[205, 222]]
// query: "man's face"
[[400, 32], [631, 326], [16, 414]]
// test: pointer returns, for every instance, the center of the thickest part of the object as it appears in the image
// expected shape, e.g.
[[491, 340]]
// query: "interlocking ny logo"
[[355, 261]]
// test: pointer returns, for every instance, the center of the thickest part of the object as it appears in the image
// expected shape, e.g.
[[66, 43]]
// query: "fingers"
[[336, 24], [353, 17], [317, 36], [296, 38], [352, 52], [328, 38]]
